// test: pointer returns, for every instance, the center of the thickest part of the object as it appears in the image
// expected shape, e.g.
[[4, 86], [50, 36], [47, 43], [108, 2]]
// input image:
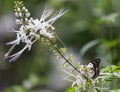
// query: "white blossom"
[[33, 29], [18, 9], [20, 14], [81, 78], [28, 14], [23, 8], [16, 14]]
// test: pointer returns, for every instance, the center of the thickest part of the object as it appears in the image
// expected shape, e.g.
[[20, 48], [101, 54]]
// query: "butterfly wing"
[[96, 63]]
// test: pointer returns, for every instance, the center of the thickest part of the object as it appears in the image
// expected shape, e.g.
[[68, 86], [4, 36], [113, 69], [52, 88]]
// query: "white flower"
[[20, 14], [16, 14], [79, 79], [28, 14], [33, 29], [18, 9], [22, 36], [44, 23]]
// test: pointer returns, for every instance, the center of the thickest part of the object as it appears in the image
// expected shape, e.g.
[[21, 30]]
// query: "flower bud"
[[18, 9], [15, 10], [23, 8], [28, 14], [26, 19], [26, 10], [20, 14], [16, 14]]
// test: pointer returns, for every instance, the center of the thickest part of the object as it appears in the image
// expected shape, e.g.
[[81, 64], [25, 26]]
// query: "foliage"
[[92, 29]]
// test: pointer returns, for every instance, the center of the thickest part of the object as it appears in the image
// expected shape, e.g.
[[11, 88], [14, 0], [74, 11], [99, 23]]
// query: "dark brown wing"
[[96, 63]]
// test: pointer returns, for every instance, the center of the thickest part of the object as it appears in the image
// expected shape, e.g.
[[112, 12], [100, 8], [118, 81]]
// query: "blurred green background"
[[90, 29]]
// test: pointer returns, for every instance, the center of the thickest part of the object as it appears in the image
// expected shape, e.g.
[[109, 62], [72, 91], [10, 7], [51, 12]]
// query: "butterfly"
[[96, 63]]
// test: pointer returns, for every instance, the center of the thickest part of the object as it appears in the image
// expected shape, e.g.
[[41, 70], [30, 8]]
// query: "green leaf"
[[110, 43], [72, 89], [15, 88]]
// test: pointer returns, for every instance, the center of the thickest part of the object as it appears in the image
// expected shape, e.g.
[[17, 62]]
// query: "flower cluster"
[[81, 79], [21, 13], [32, 29]]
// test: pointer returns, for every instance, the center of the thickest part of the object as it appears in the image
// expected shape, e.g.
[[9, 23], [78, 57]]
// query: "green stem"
[[61, 54]]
